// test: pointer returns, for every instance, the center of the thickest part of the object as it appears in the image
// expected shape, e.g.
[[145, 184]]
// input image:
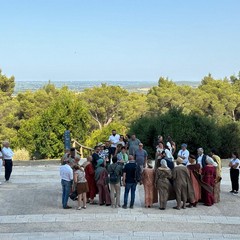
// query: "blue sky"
[[119, 40]]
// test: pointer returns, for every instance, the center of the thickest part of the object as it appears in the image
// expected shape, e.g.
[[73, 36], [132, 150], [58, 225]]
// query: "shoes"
[[84, 207], [67, 207], [235, 192], [108, 205], [124, 206], [0, 183], [131, 206], [178, 208], [162, 208], [79, 208], [231, 191]]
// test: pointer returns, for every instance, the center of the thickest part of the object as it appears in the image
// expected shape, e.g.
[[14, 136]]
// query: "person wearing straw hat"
[[182, 184], [7, 159], [150, 191]]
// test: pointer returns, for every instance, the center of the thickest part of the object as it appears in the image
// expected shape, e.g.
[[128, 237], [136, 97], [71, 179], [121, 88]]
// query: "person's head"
[[133, 137], [179, 161], [213, 151], [163, 163], [6, 144], [76, 167], [200, 151], [127, 137], [140, 146], [121, 138], [114, 159], [114, 132], [72, 152], [161, 145], [97, 149], [89, 158], [123, 149], [184, 146], [235, 155], [101, 146], [100, 163], [149, 164], [169, 139], [192, 159], [160, 138], [119, 146], [131, 158], [107, 143], [77, 158]]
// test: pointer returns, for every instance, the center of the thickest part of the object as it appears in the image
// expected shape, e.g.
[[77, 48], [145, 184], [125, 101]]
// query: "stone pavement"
[[30, 208]]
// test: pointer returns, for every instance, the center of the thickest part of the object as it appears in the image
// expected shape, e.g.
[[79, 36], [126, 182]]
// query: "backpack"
[[113, 176]]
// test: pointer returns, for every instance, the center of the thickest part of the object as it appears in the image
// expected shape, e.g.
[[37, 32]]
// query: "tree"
[[6, 85], [44, 133], [104, 103]]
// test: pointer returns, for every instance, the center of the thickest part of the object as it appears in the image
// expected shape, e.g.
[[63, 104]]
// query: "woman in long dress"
[[90, 176], [217, 189], [101, 176], [162, 183], [209, 177], [194, 170], [150, 192]]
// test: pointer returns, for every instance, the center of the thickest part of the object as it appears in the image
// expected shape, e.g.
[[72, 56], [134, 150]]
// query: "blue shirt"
[[130, 170]]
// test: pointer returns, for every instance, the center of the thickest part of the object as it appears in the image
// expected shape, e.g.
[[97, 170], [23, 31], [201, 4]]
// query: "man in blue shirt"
[[129, 181], [141, 161]]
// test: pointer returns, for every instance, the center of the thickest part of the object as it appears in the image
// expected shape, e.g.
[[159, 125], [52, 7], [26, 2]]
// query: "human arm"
[[124, 179]]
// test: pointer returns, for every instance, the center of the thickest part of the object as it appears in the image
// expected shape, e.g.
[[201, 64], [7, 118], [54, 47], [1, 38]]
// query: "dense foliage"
[[206, 116]]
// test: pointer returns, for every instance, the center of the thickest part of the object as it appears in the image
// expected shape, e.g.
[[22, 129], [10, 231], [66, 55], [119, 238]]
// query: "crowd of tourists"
[[123, 162]]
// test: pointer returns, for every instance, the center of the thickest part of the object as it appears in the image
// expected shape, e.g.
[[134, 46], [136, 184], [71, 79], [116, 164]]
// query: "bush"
[[195, 130], [21, 154]]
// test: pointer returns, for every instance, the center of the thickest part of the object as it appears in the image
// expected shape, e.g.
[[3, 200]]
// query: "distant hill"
[[188, 83]]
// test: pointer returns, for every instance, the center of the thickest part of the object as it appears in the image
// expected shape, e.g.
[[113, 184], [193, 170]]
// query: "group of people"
[[124, 162], [6, 155]]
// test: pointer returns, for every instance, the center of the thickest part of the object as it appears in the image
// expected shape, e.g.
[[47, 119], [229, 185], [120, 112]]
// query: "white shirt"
[[66, 172], [168, 154], [114, 140], [169, 146], [185, 154], [235, 161], [7, 153], [199, 160]]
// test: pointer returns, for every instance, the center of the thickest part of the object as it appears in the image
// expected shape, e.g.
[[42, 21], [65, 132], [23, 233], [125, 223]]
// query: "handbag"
[[74, 195]]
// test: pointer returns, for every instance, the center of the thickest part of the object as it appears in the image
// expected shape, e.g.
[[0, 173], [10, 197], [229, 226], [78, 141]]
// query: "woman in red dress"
[[90, 176], [194, 170], [208, 177]]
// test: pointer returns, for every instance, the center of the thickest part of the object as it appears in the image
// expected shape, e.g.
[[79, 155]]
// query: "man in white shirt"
[[114, 139], [66, 174], [7, 160], [201, 159], [184, 153]]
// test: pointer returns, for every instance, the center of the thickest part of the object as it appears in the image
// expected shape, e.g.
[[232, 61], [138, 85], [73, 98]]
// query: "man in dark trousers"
[[129, 181]]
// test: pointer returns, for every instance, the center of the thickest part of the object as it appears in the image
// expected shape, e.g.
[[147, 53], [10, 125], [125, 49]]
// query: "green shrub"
[[21, 154]]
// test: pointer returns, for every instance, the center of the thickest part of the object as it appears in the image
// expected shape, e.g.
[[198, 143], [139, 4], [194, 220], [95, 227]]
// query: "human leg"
[[112, 193], [133, 189], [126, 192]]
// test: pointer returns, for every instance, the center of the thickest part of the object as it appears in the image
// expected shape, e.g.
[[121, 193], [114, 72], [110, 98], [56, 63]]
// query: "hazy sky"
[[119, 39]]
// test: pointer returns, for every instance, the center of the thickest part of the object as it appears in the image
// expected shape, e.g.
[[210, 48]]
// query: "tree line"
[[206, 116]]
